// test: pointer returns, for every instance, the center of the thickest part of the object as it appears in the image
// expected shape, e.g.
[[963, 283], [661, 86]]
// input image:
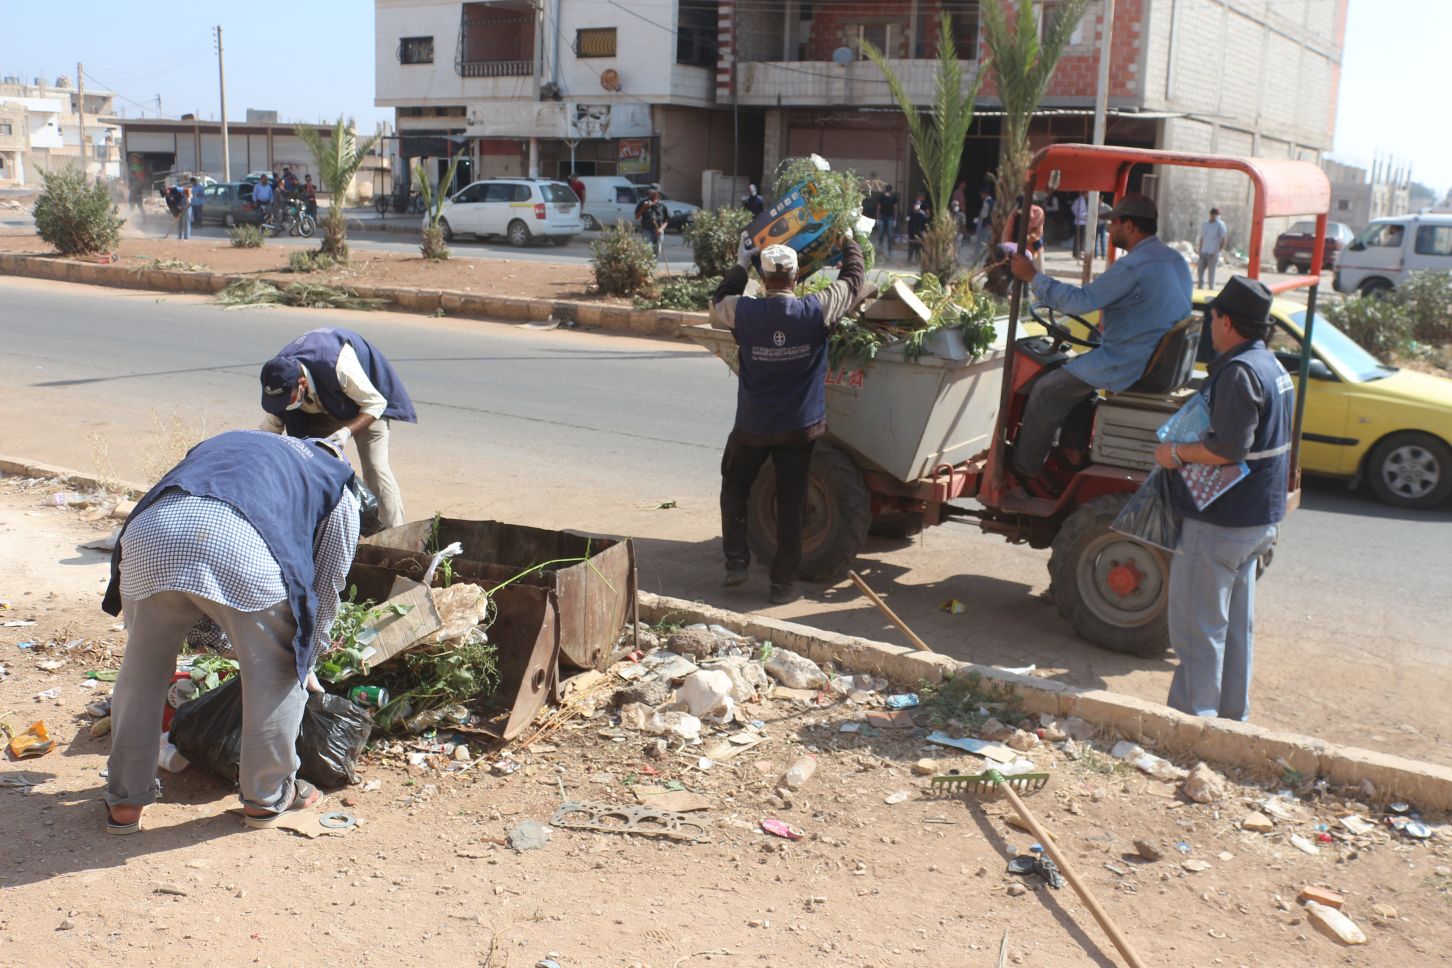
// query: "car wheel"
[[519, 235], [1282, 265], [1376, 287], [448, 232], [592, 224], [229, 221], [1411, 470]]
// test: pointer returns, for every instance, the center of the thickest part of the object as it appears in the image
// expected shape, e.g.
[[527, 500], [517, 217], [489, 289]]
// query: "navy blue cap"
[[280, 377]]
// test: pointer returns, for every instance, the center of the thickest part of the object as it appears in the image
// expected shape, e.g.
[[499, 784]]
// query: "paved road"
[[590, 432]]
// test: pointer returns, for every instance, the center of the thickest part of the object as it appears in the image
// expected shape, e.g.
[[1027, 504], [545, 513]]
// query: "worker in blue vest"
[[257, 533], [781, 397], [1212, 575], [332, 383]]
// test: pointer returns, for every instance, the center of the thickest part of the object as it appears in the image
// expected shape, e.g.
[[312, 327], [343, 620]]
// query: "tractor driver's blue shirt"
[[1141, 296]]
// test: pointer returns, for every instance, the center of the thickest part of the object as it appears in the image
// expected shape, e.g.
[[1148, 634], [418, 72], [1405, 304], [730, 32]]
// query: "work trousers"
[[372, 444], [885, 227], [1052, 398], [1209, 261], [654, 239], [272, 704], [1212, 611], [739, 466], [1079, 240]]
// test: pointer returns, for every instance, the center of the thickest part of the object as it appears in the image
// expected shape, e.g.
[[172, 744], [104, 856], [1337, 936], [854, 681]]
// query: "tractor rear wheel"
[[1112, 589], [838, 512]]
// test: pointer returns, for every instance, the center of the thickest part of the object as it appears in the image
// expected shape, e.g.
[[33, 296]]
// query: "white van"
[[612, 198], [519, 209], [1390, 248]]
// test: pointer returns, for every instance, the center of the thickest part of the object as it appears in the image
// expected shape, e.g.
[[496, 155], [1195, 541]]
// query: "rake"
[[981, 785]]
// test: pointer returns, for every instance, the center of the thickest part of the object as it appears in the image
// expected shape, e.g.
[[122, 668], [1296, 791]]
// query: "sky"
[[1392, 99]]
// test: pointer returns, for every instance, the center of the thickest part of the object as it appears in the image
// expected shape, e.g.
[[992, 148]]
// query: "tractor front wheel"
[[1112, 589]]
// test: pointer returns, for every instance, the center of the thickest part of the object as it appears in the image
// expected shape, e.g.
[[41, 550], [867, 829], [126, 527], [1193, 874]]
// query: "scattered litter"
[[35, 741], [895, 719], [780, 828], [1304, 845], [529, 835], [801, 770], [103, 675], [734, 745], [978, 747], [18, 623], [907, 700], [1335, 923], [708, 696], [1027, 670], [953, 607], [1285, 810], [1358, 825], [50, 665], [794, 671], [614, 819], [1157, 767], [897, 796], [663, 798], [101, 727], [639, 716], [1417, 829]]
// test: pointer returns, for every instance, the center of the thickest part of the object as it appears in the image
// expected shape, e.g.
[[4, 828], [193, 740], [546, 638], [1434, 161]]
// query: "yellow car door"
[[1327, 446]]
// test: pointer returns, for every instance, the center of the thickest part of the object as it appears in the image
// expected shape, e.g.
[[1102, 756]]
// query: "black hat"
[[1135, 205], [279, 379], [1245, 299]]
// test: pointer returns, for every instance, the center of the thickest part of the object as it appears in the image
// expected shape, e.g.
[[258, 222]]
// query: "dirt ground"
[[493, 277], [877, 880]]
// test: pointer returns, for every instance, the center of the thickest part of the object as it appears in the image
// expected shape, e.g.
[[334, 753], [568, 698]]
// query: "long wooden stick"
[[891, 615], [1067, 869]]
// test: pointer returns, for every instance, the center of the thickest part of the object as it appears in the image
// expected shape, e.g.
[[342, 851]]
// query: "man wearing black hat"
[[1212, 576], [1143, 295], [332, 383]]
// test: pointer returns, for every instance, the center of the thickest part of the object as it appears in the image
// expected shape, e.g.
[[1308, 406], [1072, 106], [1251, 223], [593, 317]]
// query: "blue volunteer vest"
[[1261, 497], [783, 364], [284, 493], [318, 350]]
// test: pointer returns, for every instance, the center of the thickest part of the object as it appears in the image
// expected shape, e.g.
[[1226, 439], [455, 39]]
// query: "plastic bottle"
[[799, 772]]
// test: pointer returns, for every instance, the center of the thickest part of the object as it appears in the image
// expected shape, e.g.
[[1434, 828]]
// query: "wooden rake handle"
[[1070, 875], [891, 615]]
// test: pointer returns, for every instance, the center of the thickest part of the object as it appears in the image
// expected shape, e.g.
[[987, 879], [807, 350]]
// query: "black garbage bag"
[[208, 730], [1150, 515], [334, 732]]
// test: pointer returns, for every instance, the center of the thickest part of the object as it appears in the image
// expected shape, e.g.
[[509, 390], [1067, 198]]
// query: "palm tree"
[[338, 160], [1022, 66], [433, 246], [937, 141]]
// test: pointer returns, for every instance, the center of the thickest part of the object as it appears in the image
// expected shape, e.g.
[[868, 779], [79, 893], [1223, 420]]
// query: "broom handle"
[[891, 615], [1065, 868]]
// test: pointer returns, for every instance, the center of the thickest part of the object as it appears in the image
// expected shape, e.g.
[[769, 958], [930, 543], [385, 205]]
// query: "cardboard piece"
[[896, 719], [395, 633], [734, 745], [899, 302], [978, 747], [677, 801]]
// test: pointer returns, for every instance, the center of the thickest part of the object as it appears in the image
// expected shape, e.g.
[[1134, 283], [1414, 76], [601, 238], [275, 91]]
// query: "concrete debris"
[[707, 696], [1204, 785], [995, 731], [1285, 810], [1076, 728], [697, 643], [1321, 896], [1022, 740], [1257, 823], [650, 691], [529, 835], [925, 767], [748, 679], [678, 725], [794, 671], [1334, 923], [668, 665], [1147, 850], [1195, 866]]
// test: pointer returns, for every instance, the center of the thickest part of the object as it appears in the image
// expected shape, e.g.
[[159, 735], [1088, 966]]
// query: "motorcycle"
[[290, 214]]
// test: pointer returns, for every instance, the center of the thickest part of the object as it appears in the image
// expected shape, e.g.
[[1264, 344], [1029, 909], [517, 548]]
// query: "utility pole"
[[222, 89], [81, 109], [1101, 108]]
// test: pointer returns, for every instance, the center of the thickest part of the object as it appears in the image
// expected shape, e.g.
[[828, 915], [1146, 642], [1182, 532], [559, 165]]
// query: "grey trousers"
[[1051, 399], [372, 446], [1212, 614], [272, 706], [1209, 261]]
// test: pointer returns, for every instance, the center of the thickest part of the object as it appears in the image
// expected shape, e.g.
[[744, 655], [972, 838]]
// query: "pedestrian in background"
[[917, 226], [195, 188], [578, 187], [1080, 210], [310, 195], [781, 397], [333, 383], [1212, 574], [262, 196], [1101, 227], [753, 202], [652, 217], [886, 219], [1212, 240], [184, 212], [983, 224], [256, 533]]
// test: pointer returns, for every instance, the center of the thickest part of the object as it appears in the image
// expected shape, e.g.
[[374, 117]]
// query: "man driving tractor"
[[1141, 296]]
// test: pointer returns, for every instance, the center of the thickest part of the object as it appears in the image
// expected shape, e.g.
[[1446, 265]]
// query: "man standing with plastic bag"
[[1251, 400], [256, 532], [781, 397]]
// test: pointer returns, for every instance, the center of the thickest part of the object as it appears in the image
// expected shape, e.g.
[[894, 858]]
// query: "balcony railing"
[[508, 68]]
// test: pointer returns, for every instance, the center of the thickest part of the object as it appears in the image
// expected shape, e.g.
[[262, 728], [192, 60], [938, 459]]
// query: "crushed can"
[[369, 697]]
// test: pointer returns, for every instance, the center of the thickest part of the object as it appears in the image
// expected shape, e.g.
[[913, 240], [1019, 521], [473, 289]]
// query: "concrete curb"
[[1255, 748], [26, 468], [662, 323]]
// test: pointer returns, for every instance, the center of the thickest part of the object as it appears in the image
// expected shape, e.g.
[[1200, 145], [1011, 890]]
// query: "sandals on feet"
[[121, 829], [304, 795]]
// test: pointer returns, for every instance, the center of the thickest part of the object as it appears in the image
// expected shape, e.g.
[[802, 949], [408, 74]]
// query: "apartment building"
[[40, 130], [664, 89]]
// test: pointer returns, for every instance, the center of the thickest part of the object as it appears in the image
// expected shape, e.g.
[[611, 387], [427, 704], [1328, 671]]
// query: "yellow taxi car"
[[1364, 420]]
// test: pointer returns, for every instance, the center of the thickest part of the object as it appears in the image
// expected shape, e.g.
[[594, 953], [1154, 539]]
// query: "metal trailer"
[[908, 437]]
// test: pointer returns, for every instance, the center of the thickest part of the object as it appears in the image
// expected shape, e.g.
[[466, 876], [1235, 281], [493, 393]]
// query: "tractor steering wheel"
[[1062, 333]]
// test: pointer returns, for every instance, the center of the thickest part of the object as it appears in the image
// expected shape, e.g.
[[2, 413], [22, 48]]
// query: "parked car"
[[519, 209], [1364, 420], [228, 204], [612, 198], [1293, 246], [1382, 255]]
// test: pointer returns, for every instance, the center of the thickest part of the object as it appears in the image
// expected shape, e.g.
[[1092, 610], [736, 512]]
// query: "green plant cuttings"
[[970, 700], [954, 306], [257, 292], [352, 633], [246, 237]]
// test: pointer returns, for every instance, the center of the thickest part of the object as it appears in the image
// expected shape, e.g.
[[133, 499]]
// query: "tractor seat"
[[1172, 365]]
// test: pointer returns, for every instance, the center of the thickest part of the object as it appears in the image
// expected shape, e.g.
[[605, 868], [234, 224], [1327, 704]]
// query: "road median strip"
[[663, 323]]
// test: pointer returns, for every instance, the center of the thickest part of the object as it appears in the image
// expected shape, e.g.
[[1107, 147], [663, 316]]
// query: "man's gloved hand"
[[340, 437], [745, 251]]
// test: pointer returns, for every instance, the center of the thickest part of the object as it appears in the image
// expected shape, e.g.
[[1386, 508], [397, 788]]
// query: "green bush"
[[714, 236], [684, 293], [1417, 311], [310, 261], [623, 262], [76, 217], [246, 237]]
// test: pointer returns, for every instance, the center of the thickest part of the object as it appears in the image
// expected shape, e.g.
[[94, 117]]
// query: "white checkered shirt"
[[205, 547]]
